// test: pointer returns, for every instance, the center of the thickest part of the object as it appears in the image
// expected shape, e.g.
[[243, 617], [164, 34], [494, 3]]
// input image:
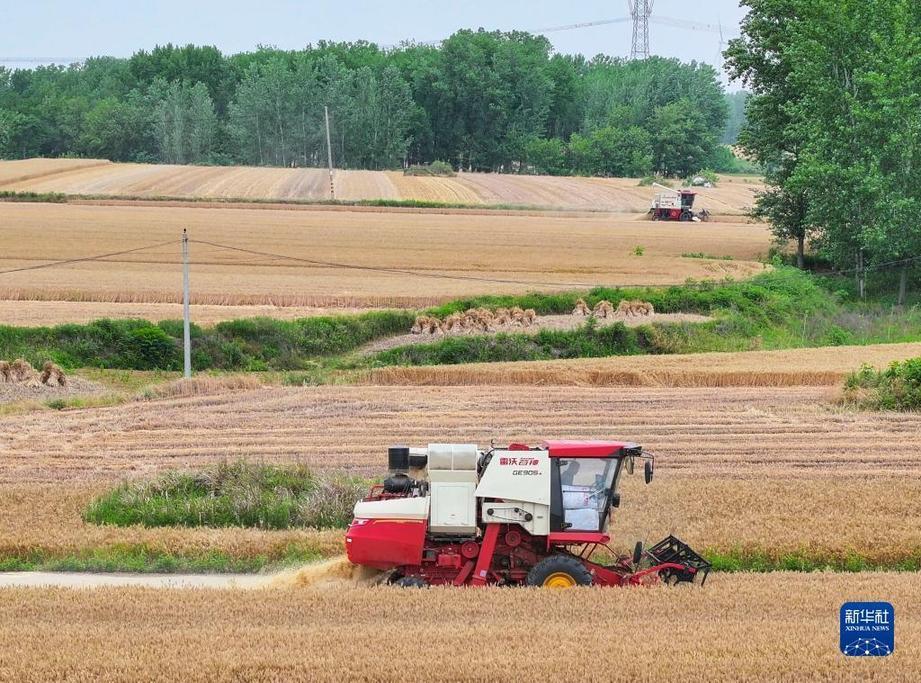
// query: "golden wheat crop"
[[530, 252], [203, 385], [733, 196], [758, 469], [825, 366], [741, 627]]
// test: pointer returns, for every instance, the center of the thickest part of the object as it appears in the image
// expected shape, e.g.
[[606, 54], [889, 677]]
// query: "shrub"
[[898, 387], [248, 344], [588, 341], [150, 348], [233, 494], [436, 168]]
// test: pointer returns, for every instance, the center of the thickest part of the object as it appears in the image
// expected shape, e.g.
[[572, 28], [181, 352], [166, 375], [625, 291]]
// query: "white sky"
[[65, 29]]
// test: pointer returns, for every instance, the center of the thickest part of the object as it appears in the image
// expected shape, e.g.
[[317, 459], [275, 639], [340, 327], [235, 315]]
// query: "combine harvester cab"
[[452, 514]]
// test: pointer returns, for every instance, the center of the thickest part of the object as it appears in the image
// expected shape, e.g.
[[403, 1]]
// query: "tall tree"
[[762, 60], [681, 139], [184, 121]]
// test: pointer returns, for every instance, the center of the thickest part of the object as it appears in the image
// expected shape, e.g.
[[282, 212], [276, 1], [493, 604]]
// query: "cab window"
[[585, 485]]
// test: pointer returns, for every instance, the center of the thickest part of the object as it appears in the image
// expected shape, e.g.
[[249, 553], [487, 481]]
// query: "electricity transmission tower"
[[640, 11]]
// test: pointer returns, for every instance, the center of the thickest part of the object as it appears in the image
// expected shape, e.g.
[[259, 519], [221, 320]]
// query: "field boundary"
[[680, 379], [358, 205], [805, 366]]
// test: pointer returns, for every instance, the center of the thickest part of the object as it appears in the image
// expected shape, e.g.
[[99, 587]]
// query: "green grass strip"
[[807, 561]]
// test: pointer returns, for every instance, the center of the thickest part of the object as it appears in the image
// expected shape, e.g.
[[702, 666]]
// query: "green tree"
[[835, 116], [120, 130], [681, 139], [184, 121], [735, 121], [762, 60], [622, 152], [546, 156], [190, 63], [492, 91]]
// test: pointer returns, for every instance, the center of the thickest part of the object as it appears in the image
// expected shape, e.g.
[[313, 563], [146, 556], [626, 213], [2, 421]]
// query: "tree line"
[[835, 118], [484, 101]]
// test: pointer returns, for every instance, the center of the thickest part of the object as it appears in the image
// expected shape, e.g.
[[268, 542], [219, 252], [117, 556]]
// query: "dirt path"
[[544, 322], [90, 580]]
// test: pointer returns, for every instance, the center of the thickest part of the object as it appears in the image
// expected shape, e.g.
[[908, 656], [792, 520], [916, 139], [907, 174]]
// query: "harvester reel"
[[637, 553]]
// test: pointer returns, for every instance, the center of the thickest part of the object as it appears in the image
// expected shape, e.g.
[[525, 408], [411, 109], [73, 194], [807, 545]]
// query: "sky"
[[66, 30]]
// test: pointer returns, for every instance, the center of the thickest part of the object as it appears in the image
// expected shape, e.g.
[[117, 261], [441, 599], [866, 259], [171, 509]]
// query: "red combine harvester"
[[452, 514], [676, 205]]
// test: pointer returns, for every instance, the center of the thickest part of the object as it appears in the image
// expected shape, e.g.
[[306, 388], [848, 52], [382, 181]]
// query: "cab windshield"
[[587, 485]]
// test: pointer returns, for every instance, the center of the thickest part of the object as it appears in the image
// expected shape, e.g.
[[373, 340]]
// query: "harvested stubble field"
[[742, 627], [733, 196], [26, 170], [524, 253], [824, 366], [22, 391], [36, 313], [762, 472]]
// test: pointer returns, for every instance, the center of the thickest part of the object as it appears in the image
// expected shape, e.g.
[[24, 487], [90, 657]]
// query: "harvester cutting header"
[[453, 514]]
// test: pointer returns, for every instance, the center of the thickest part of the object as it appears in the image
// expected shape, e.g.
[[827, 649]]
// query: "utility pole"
[[861, 274], [329, 153], [640, 11], [186, 336]]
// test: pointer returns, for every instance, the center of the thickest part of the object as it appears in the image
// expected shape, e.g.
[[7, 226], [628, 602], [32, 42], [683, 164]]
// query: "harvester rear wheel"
[[559, 571], [410, 582]]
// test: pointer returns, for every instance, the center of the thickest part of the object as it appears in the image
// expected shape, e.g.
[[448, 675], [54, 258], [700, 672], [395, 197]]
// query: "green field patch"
[[235, 494]]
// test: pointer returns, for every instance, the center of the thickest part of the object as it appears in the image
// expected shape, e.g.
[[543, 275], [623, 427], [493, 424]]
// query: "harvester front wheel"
[[559, 571]]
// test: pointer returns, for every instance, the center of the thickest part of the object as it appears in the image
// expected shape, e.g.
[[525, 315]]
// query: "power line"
[[344, 266], [82, 259], [416, 273], [584, 24], [878, 266], [392, 271], [444, 276]]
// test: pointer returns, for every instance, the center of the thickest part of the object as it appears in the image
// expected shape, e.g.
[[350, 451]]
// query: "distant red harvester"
[[676, 205]]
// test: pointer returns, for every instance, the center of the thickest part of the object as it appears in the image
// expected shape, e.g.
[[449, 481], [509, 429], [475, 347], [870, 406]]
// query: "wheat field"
[[733, 195], [467, 254], [824, 366], [32, 170], [741, 627], [760, 469]]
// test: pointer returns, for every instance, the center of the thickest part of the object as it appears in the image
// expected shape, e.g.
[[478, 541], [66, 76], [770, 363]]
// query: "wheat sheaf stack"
[[625, 309], [20, 371], [475, 320]]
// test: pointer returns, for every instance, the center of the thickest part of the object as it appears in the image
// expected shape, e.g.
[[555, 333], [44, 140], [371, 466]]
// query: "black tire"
[[559, 568], [410, 582]]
